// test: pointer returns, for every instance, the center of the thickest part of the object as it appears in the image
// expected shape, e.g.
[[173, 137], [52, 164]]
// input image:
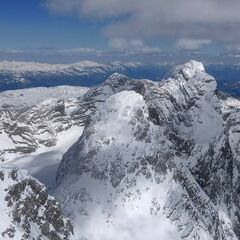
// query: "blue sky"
[[31, 25], [72, 30]]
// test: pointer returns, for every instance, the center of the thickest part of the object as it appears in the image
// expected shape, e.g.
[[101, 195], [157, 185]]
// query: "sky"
[[128, 30]]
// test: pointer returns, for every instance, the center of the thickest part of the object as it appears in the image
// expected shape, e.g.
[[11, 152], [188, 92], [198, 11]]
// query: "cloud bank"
[[192, 44], [216, 20], [132, 47]]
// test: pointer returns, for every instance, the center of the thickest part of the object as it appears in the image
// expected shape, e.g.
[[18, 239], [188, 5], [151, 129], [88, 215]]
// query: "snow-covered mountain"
[[14, 75], [160, 159], [19, 75], [21, 67], [155, 160]]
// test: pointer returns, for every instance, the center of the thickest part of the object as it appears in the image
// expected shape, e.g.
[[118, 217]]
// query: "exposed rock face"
[[170, 150], [27, 211], [32, 118]]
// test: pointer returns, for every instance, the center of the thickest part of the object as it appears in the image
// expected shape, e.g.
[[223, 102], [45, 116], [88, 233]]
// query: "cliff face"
[[167, 150], [27, 211]]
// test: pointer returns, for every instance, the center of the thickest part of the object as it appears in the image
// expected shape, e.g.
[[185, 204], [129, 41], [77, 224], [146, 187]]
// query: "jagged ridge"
[[171, 147]]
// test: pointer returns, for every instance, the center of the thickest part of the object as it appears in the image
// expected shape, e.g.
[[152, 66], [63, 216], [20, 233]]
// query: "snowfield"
[[20, 67], [43, 163], [33, 96]]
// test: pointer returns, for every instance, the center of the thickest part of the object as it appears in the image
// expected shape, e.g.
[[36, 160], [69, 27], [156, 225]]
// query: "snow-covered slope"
[[43, 163], [32, 119], [160, 160], [36, 127], [27, 211], [21, 67], [33, 96]]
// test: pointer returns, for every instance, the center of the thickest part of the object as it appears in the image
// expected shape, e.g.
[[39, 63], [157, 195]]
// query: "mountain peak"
[[116, 76], [189, 78], [196, 65], [117, 79], [155, 149], [188, 70]]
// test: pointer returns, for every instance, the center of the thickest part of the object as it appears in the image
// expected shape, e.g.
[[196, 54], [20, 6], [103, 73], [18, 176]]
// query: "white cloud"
[[192, 44], [181, 19], [136, 43], [145, 50], [11, 51], [139, 227], [123, 44], [78, 51], [132, 46], [118, 44]]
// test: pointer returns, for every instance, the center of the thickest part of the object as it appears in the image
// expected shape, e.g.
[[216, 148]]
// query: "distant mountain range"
[[16, 75]]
